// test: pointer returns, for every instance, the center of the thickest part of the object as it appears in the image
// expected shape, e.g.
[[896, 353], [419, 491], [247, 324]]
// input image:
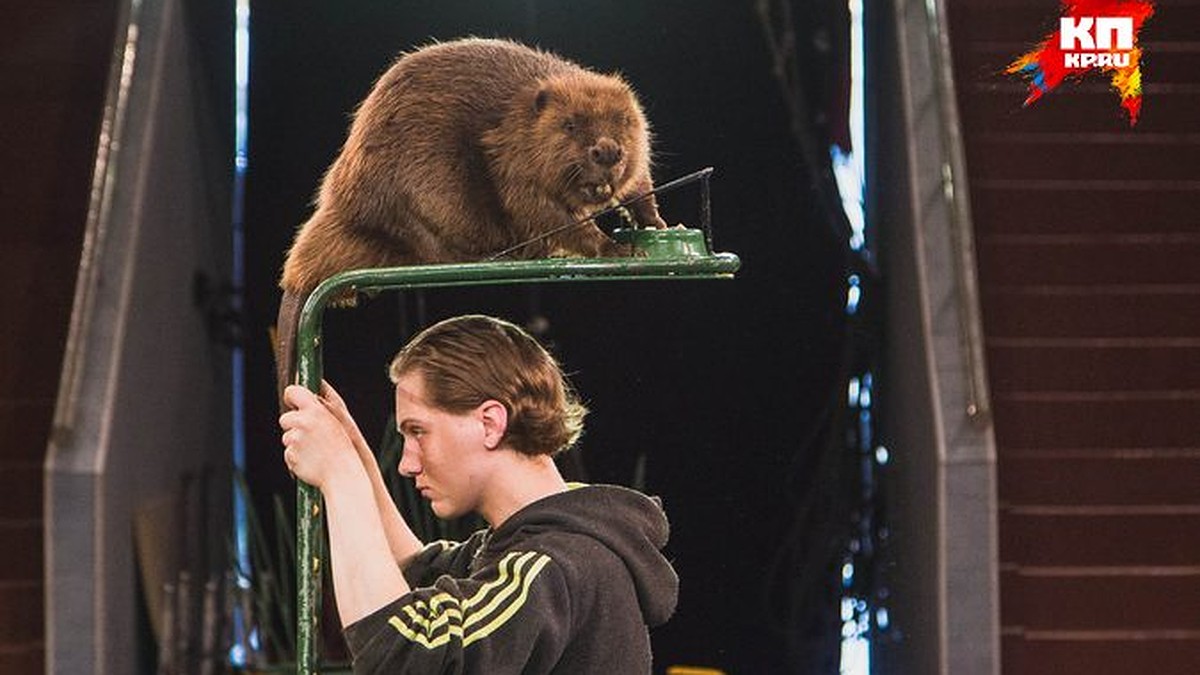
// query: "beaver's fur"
[[463, 150], [466, 148]]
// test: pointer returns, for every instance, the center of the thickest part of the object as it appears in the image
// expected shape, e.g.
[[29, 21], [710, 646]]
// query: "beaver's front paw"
[[612, 249]]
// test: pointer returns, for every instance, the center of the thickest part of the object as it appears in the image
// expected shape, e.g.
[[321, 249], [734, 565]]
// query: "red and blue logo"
[[1093, 36]]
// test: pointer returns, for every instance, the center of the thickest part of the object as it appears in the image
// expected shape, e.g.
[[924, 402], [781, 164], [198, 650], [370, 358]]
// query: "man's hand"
[[334, 403], [317, 446], [403, 543]]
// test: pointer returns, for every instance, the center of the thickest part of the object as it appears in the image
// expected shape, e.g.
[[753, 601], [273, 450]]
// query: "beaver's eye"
[[569, 125]]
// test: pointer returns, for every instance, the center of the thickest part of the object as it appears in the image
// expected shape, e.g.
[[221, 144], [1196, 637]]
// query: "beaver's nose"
[[605, 152]]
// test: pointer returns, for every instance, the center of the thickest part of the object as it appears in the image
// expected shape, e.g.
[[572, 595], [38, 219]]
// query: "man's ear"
[[495, 423]]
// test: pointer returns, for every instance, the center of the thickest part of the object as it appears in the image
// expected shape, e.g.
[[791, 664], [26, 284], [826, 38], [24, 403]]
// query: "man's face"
[[444, 453]]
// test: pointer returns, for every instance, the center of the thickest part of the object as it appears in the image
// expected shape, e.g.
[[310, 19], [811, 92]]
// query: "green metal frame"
[[665, 254]]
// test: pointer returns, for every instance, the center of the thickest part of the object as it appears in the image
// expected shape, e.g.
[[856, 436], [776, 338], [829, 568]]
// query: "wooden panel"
[[984, 66], [1089, 313], [1075, 368], [1095, 655], [986, 23], [1087, 244], [1154, 539], [55, 64], [1075, 209], [1100, 424], [1158, 599], [25, 658], [53, 189], [1028, 21], [1166, 261], [999, 157], [1046, 6], [21, 606], [23, 540], [24, 428], [1162, 477], [63, 35], [36, 311], [20, 490], [1081, 108]]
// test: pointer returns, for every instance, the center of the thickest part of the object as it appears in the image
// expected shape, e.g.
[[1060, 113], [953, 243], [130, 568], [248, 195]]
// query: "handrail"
[[954, 183], [99, 214], [674, 254]]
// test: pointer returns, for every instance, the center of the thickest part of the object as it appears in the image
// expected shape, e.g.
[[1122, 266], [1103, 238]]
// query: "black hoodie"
[[567, 584]]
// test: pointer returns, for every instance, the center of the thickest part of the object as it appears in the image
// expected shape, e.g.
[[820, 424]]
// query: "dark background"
[[724, 386]]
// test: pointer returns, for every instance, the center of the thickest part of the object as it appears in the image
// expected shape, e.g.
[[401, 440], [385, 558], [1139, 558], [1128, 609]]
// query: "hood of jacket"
[[629, 523]]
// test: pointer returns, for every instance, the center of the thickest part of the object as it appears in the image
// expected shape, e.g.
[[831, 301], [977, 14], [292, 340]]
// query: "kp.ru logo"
[[1076, 34], [1092, 35]]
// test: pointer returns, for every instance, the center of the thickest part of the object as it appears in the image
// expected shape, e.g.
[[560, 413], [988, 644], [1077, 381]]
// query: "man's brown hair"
[[470, 359]]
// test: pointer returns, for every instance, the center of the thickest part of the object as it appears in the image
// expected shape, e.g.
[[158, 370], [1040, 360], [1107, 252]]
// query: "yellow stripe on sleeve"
[[443, 617]]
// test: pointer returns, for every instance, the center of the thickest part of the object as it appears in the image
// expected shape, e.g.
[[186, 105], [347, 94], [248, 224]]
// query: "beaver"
[[464, 149], [469, 148]]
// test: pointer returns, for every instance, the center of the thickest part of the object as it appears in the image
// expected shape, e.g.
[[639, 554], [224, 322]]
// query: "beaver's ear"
[[541, 100]]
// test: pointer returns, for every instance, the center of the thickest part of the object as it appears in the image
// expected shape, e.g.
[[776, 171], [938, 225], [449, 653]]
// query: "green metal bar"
[[669, 255]]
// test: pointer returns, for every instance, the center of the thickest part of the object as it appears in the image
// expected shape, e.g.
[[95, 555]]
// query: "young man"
[[565, 579]]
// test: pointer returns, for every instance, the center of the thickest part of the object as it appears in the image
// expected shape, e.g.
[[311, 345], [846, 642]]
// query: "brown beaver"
[[467, 148]]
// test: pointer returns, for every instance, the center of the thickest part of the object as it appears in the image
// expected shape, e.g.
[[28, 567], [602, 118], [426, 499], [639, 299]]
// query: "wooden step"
[[21, 606], [1061, 536], [1004, 156], [1103, 479], [1166, 261], [1148, 421], [24, 426], [1101, 653], [22, 540], [976, 24], [1098, 598], [1013, 367], [1034, 313], [1019, 209], [20, 490], [22, 658]]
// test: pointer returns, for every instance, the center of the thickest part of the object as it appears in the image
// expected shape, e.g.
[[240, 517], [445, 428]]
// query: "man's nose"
[[409, 464]]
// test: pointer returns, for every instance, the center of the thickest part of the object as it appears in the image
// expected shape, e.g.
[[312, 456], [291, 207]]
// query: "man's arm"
[[320, 452], [403, 542]]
